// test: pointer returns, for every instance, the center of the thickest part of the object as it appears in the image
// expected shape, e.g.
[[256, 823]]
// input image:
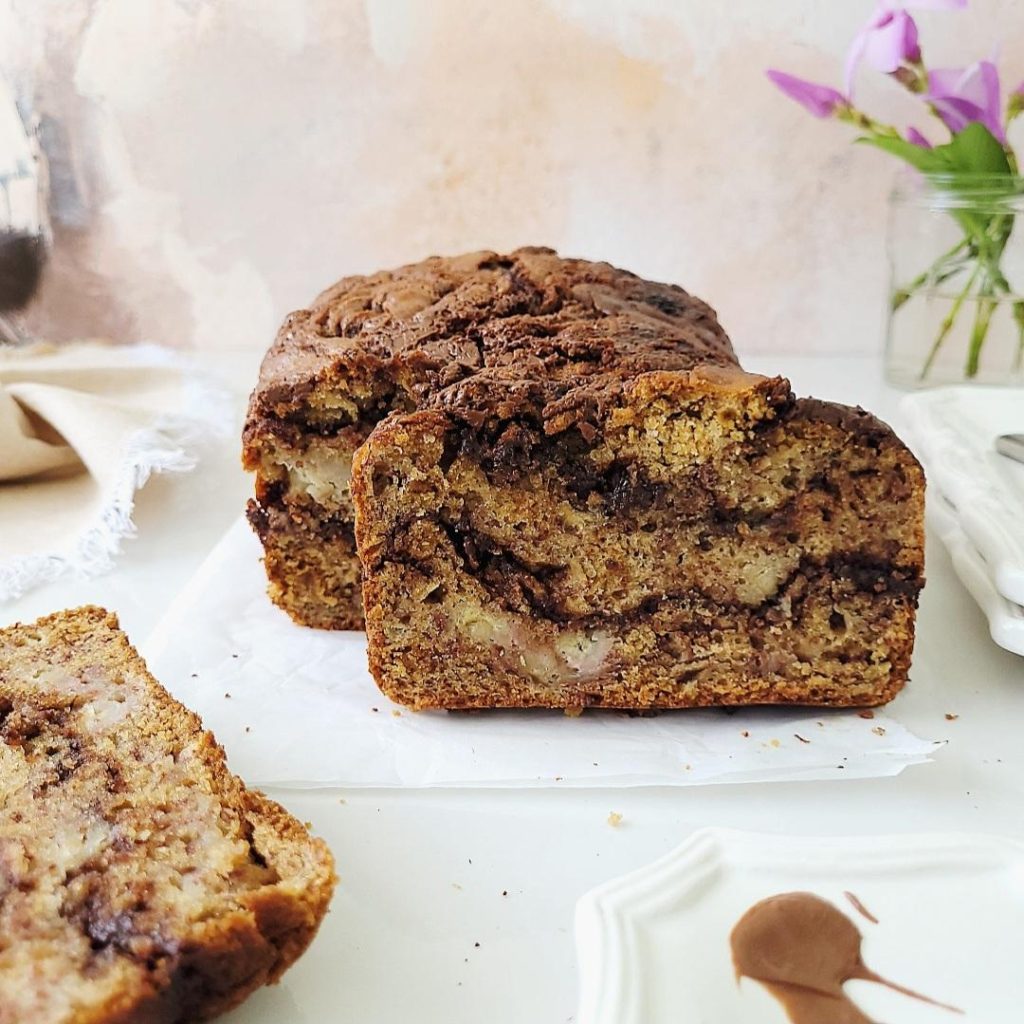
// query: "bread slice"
[[140, 881], [674, 539]]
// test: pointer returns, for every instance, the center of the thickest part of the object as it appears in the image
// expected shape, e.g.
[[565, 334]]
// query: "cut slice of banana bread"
[[140, 881], [669, 539]]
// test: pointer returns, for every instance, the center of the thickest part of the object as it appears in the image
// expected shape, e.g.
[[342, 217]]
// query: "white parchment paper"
[[297, 707]]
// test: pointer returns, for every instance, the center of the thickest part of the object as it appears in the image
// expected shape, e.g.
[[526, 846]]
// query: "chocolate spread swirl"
[[803, 950]]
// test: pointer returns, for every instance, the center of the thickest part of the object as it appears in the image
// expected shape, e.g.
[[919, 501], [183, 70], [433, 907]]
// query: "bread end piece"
[[140, 881]]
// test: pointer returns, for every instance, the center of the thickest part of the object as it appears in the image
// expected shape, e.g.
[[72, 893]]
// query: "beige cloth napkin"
[[81, 429]]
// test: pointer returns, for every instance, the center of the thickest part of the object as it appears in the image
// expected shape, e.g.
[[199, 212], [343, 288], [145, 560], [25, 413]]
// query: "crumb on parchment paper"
[[866, 713], [614, 819], [950, 717]]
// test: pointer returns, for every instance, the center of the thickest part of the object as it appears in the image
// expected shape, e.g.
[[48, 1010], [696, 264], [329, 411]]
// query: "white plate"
[[1005, 618], [955, 431], [948, 471], [654, 945]]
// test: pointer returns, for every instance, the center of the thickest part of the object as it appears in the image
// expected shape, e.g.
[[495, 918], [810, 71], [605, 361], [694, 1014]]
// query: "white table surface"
[[457, 906]]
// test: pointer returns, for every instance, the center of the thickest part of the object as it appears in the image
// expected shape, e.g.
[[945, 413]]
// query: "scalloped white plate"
[[1005, 618], [654, 945], [975, 498], [955, 431]]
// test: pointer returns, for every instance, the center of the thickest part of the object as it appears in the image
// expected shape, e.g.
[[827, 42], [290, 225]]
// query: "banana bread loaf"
[[566, 492], [139, 880]]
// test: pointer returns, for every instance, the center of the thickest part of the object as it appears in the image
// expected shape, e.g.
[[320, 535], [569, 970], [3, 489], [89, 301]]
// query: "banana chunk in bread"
[[140, 881]]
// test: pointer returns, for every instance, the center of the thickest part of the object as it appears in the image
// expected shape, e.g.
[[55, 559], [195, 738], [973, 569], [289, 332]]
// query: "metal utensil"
[[1011, 445]]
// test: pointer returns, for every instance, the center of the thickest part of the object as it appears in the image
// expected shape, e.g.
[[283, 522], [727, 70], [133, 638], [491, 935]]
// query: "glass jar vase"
[[956, 296]]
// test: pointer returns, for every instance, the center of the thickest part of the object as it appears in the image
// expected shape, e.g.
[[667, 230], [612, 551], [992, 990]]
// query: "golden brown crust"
[[569, 325], [149, 884]]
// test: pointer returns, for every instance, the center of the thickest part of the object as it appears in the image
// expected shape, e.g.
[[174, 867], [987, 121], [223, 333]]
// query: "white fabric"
[[81, 429]]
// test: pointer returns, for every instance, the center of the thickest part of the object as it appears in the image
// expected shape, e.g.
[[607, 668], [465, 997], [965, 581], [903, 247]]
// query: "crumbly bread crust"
[[524, 329], [140, 881]]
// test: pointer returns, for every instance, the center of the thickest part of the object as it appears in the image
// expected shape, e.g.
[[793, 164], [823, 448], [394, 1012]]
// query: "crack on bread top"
[[563, 325]]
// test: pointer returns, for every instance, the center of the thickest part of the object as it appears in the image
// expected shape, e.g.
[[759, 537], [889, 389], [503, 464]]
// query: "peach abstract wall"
[[217, 162]]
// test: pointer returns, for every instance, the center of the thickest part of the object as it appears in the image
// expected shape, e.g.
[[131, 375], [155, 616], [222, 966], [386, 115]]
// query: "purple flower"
[[820, 100], [914, 136], [886, 43], [889, 40], [963, 95]]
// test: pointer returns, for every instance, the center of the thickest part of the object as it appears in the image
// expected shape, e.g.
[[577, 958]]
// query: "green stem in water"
[[1018, 316], [901, 295], [1016, 311], [947, 323], [993, 282], [987, 303]]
